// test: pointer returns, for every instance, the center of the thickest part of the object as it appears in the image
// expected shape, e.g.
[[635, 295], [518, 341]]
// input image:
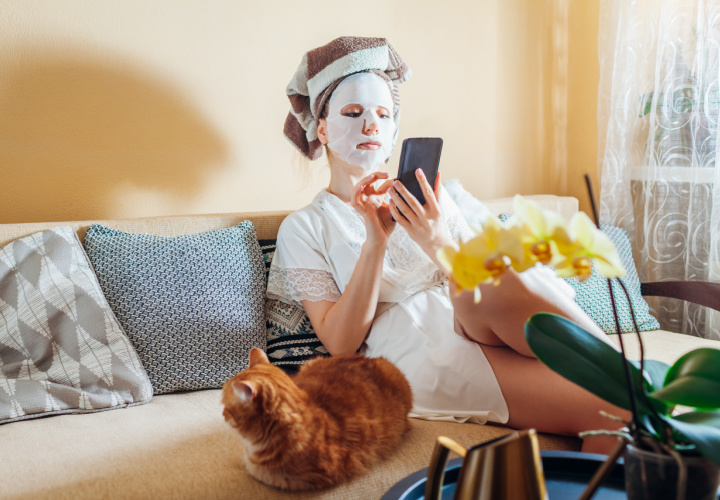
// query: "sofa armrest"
[[704, 293]]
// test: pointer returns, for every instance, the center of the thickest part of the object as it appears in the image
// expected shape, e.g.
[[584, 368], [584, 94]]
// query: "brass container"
[[507, 467]]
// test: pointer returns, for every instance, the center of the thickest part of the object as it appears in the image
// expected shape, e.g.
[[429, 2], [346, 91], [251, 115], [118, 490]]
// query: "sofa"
[[178, 445]]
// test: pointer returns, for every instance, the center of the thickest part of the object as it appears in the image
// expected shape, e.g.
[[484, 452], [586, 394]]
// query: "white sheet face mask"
[[346, 132]]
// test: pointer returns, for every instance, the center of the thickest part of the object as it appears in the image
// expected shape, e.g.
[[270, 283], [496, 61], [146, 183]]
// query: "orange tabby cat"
[[326, 424]]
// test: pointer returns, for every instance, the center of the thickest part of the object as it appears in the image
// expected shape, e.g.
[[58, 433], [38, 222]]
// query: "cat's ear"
[[245, 391], [258, 356]]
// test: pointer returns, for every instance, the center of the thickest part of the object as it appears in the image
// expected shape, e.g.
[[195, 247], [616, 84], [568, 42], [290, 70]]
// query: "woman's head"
[[357, 124], [327, 80]]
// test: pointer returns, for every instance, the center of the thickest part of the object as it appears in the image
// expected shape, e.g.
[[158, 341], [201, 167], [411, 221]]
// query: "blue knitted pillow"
[[291, 340], [593, 295], [192, 305]]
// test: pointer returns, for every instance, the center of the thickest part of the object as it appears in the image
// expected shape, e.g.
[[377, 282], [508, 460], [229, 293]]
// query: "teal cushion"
[[593, 295]]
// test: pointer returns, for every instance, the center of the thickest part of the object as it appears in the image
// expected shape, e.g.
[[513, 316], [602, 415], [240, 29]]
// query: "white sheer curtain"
[[658, 126]]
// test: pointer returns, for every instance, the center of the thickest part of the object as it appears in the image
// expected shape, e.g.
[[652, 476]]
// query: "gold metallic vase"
[[507, 467]]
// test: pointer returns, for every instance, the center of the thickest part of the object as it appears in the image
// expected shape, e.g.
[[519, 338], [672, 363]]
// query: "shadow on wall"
[[77, 137]]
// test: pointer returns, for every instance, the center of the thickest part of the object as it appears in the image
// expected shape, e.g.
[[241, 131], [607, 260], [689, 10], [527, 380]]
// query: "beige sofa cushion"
[[178, 446]]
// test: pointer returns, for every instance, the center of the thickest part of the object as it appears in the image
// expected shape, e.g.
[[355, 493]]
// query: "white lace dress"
[[317, 250]]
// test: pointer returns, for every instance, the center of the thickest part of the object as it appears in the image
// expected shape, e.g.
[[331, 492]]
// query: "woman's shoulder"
[[303, 221], [303, 216]]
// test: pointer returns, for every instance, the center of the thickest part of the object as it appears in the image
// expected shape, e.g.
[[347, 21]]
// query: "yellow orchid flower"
[[544, 233], [588, 243], [484, 258], [532, 235]]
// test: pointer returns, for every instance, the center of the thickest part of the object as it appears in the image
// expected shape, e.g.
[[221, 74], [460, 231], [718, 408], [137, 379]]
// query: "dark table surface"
[[566, 475]]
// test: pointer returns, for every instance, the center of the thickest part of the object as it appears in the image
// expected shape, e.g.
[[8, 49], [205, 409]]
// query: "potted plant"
[[663, 444]]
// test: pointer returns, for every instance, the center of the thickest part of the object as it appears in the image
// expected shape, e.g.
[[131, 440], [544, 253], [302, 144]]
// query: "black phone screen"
[[423, 153]]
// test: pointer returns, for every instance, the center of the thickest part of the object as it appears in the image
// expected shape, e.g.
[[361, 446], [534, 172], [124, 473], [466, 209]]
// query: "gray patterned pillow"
[[192, 305], [61, 348]]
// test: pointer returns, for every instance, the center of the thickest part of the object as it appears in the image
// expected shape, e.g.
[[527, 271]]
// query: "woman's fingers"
[[366, 187], [400, 204], [365, 193], [367, 199], [398, 216], [369, 179], [383, 188], [407, 200], [357, 192], [369, 182], [431, 199]]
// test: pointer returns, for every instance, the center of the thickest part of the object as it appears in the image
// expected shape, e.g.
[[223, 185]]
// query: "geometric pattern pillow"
[[192, 305], [61, 348], [593, 296], [291, 340]]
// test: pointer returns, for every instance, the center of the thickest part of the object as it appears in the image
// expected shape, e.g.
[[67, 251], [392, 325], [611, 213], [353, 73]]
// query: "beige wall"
[[134, 108], [583, 79]]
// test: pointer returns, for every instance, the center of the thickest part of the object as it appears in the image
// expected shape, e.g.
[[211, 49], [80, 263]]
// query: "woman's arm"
[[343, 325]]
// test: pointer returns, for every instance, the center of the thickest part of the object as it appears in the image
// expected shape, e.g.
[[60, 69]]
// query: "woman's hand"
[[424, 224], [367, 200]]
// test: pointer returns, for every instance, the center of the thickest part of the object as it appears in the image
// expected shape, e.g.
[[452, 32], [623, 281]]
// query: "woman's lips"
[[370, 145]]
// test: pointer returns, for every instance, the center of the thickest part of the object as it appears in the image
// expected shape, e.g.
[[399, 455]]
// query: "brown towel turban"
[[322, 69]]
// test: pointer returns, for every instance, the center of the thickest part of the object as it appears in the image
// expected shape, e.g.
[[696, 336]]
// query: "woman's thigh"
[[500, 316], [539, 398]]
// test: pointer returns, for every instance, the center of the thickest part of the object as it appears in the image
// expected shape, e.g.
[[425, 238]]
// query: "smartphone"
[[423, 153]]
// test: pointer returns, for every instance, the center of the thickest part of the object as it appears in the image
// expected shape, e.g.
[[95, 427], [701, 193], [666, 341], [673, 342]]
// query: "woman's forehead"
[[366, 89]]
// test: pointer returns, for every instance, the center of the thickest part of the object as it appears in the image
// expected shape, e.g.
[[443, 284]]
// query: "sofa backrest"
[[266, 223]]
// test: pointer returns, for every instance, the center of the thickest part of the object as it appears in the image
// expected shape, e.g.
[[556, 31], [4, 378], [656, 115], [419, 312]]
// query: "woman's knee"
[[479, 333]]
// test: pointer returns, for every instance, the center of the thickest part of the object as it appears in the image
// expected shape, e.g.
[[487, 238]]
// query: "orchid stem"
[[591, 195], [635, 326], [642, 352], [626, 364]]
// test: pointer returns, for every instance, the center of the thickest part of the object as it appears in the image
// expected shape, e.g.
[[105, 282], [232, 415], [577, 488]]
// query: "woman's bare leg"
[[499, 318], [536, 396], [539, 398]]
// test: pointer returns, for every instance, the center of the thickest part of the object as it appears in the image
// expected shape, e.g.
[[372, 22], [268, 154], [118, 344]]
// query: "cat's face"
[[257, 396]]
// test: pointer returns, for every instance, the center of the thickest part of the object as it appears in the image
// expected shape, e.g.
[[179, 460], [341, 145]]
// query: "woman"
[[369, 278]]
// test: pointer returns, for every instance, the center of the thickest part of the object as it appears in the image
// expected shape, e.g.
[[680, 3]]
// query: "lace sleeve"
[[300, 270], [295, 285]]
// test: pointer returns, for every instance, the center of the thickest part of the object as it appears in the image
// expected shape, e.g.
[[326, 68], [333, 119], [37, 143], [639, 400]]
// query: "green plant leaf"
[[692, 391], [589, 362], [711, 418], [657, 371], [703, 362], [701, 429], [694, 380]]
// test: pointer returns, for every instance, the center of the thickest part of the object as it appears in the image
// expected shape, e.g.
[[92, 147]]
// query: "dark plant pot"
[[651, 476]]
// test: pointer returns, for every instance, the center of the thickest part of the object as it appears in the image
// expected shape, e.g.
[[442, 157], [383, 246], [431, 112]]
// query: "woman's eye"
[[351, 114]]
